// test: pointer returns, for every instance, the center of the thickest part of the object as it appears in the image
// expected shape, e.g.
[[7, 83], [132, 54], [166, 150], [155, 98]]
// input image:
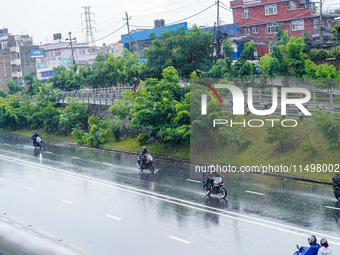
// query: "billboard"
[[37, 53]]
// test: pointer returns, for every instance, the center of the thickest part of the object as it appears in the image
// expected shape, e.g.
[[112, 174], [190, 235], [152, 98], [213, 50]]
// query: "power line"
[[110, 33], [192, 15]]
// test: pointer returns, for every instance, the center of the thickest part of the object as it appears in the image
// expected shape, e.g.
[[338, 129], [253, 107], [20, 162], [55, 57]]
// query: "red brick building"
[[258, 19]]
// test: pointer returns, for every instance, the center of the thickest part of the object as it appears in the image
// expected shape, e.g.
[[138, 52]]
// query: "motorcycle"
[[336, 187], [301, 250], [148, 163], [214, 186], [37, 142]]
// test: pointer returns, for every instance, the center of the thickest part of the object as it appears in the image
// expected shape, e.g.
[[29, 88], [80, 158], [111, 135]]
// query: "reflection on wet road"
[[97, 201]]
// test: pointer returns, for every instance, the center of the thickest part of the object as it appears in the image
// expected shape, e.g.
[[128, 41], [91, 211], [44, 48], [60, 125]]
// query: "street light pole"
[[69, 33]]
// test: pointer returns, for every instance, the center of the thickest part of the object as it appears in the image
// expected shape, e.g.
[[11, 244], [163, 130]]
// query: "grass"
[[181, 151], [258, 152]]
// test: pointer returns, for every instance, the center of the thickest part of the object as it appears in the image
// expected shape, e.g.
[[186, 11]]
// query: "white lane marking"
[[17, 225], [182, 202], [113, 217], [179, 239], [2, 179], [108, 164], [256, 193], [75, 157], [48, 152], [330, 207], [44, 233], [31, 189], [66, 201], [32, 233], [4, 219], [79, 249], [189, 180]]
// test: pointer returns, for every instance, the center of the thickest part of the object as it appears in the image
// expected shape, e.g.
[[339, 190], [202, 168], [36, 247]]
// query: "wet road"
[[98, 202]]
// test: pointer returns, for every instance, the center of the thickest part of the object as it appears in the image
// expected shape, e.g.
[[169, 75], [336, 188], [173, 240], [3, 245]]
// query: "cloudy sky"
[[43, 18]]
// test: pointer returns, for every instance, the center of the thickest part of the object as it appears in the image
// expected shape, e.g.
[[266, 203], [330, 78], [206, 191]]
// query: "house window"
[[247, 31], [82, 52], [316, 23], [271, 28], [297, 25], [51, 53], [270, 49], [57, 53], [292, 5], [246, 13], [255, 30], [270, 9]]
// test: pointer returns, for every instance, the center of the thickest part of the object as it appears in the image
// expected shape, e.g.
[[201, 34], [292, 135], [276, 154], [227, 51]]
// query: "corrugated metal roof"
[[144, 35]]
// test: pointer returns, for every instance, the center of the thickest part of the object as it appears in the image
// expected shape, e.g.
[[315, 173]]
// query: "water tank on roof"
[[159, 23], [57, 36]]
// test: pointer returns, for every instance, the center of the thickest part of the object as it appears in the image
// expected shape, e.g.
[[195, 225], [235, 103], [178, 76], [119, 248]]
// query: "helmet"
[[312, 240], [144, 148], [324, 242], [36, 132]]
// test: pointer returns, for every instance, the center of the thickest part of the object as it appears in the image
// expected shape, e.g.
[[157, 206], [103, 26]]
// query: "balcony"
[[16, 61], [17, 75], [14, 49]]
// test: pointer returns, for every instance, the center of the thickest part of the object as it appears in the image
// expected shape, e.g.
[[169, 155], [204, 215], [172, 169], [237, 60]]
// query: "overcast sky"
[[42, 18]]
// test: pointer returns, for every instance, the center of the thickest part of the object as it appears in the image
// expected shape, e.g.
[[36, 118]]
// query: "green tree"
[[329, 125], [13, 87], [336, 32], [186, 51], [293, 55], [277, 134], [75, 113], [161, 108]]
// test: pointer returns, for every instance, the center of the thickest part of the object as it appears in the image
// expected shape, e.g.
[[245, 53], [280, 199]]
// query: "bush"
[[142, 139], [309, 147]]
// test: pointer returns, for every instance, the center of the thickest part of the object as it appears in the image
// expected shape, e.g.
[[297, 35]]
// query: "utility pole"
[[88, 25], [69, 33], [218, 46], [127, 24], [321, 24]]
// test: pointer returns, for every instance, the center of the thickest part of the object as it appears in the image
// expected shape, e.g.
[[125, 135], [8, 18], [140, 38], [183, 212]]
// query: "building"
[[61, 54], [259, 20], [141, 39], [16, 49]]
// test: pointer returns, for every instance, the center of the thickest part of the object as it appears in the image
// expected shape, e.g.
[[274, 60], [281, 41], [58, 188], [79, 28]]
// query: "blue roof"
[[144, 35], [232, 30]]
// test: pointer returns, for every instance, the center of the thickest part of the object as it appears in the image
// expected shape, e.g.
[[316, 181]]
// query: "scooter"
[[148, 163]]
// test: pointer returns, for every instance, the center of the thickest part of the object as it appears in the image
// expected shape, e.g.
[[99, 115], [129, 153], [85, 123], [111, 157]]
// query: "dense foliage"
[[160, 108]]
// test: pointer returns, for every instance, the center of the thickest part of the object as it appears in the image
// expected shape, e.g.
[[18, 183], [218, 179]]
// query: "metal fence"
[[105, 96]]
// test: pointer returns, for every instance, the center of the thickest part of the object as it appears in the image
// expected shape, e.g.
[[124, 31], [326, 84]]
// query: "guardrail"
[[104, 96]]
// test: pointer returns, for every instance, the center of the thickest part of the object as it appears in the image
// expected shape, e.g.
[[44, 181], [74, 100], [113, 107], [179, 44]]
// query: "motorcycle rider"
[[324, 250], [311, 250], [314, 247], [34, 137], [142, 157]]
